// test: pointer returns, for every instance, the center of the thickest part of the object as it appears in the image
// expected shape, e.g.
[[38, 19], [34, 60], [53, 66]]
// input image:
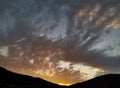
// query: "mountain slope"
[[105, 81], [14, 80]]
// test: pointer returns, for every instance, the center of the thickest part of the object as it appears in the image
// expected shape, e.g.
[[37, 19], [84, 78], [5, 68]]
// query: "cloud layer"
[[72, 31]]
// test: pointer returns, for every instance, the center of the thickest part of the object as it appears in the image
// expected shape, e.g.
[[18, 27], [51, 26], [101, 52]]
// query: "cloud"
[[60, 68], [73, 31], [4, 50]]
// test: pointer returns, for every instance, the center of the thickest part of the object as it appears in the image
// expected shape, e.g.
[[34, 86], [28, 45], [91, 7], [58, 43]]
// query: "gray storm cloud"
[[84, 32]]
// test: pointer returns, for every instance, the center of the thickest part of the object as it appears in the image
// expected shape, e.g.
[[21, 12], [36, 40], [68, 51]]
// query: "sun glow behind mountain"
[[62, 84], [57, 72]]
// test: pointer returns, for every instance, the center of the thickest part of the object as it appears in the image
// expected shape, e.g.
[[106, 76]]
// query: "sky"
[[62, 41]]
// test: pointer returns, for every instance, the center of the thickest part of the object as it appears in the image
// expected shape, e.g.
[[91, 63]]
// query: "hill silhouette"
[[105, 81], [9, 79], [13, 80]]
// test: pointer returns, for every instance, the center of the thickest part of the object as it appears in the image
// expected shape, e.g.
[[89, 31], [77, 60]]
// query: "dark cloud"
[[36, 20]]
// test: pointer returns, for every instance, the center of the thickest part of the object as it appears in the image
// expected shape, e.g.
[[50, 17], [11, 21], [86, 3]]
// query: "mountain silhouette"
[[105, 81], [9, 79], [13, 80]]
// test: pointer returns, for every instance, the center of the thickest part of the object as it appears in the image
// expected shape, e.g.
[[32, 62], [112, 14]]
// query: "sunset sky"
[[62, 41]]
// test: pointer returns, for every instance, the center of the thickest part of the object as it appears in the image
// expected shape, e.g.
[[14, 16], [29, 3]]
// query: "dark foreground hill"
[[105, 81], [12, 80]]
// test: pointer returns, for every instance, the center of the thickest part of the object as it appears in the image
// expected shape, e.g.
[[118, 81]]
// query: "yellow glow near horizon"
[[63, 84]]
